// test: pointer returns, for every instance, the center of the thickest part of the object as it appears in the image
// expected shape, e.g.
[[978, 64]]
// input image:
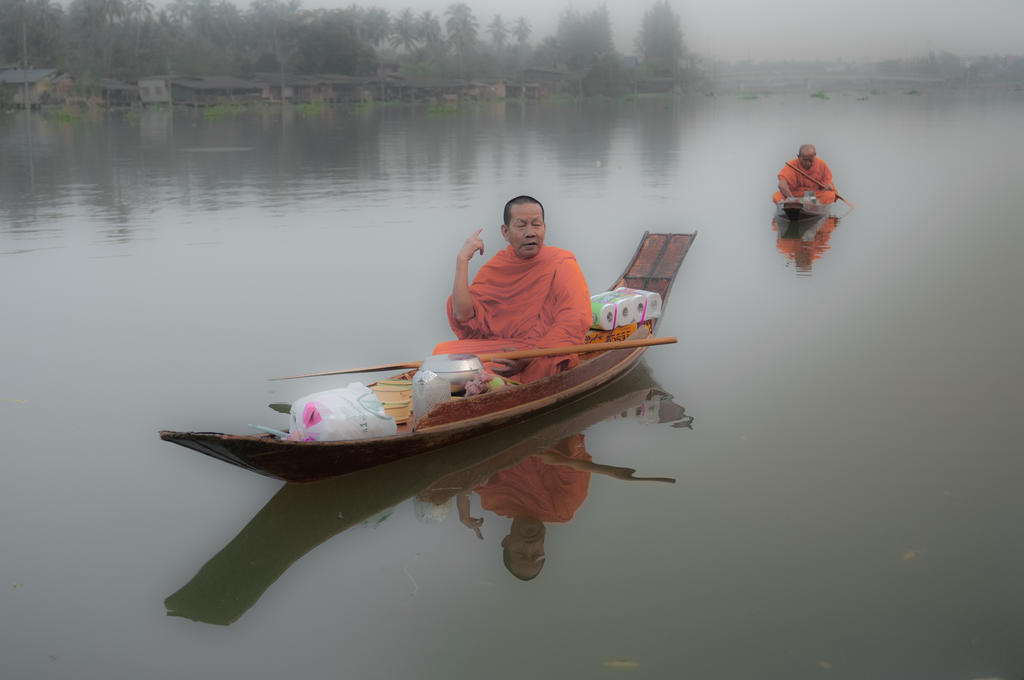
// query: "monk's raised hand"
[[473, 244]]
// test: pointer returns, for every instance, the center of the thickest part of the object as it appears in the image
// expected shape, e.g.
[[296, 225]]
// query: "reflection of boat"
[[653, 267], [300, 517]]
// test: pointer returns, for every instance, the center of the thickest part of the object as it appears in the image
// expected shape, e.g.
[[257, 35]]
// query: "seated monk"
[[528, 295], [806, 172]]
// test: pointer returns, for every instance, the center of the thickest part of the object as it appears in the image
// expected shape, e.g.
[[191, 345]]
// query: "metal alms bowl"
[[455, 368]]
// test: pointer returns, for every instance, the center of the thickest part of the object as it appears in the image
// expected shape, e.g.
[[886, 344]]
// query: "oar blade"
[[362, 369]]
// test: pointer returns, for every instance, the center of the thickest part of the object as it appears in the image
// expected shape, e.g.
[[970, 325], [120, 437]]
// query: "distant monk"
[[528, 295], [793, 184]]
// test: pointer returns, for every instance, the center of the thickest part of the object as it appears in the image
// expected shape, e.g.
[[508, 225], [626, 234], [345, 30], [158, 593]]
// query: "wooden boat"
[[301, 517], [653, 267]]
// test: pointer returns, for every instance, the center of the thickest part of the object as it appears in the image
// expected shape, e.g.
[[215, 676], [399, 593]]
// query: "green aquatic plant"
[[749, 96], [820, 94], [560, 99], [221, 111], [67, 115], [133, 117], [310, 109], [443, 109], [913, 93]]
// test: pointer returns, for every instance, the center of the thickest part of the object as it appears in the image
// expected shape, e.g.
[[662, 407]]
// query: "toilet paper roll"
[[652, 302], [604, 314]]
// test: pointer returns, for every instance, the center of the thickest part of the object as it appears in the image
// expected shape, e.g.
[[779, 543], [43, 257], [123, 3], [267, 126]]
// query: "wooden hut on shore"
[[197, 90], [44, 86]]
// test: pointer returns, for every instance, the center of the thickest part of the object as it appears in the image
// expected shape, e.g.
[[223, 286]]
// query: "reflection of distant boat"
[[804, 241], [301, 517]]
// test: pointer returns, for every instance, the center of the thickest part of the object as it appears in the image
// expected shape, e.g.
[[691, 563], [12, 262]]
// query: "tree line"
[[126, 39]]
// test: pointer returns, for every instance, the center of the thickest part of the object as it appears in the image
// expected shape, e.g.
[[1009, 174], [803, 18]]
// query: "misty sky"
[[863, 30]]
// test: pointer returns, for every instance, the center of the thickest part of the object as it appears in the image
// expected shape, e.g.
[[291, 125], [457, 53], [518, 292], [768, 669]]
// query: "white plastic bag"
[[350, 412]]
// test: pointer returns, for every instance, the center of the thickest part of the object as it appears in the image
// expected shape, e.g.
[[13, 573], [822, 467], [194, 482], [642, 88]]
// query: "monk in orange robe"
[[814, 175], [528, 295]]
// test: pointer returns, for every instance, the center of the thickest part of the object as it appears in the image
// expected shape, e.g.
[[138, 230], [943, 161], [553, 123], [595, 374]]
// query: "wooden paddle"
[[821, 184], [516, 354]]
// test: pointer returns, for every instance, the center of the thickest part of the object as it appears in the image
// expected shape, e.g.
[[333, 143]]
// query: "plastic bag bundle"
[[350, 412]]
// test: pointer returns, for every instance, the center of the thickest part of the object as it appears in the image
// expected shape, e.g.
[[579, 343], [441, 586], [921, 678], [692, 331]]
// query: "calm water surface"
[[847, 502]]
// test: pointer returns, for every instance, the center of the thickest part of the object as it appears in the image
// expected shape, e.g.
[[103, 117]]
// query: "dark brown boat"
[[653, 267]]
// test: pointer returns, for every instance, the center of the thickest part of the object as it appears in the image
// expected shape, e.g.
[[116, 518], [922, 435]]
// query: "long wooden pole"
[[516, 354], [821, 184]]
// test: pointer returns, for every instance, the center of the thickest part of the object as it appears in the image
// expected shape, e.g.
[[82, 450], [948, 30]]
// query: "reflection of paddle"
[[553, 457], [517, 354], [821, 184]]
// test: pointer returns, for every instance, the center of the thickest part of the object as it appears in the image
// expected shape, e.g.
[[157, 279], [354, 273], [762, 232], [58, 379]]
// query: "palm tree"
[[499, 33], [178, 11], [41, 20], [462, 27], [522, 31], [430, 31], [405, 31], [114, 10], [201, 17], [374, 26], [277, 23], [140, 13]]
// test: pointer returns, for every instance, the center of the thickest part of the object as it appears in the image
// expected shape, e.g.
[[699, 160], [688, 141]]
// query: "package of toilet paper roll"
[[652, 302], [612, 309]]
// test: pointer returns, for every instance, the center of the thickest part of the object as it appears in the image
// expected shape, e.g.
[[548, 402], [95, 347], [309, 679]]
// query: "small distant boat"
[[800, 210]]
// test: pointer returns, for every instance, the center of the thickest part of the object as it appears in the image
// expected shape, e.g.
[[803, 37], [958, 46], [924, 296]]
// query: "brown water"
[[847, 502]]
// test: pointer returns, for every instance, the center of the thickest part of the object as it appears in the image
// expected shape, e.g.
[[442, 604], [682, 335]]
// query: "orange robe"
[[533, 488], [540, 302], [798, 184]]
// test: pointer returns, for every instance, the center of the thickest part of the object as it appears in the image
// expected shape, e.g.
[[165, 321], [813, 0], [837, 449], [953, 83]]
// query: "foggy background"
[[867, 30]]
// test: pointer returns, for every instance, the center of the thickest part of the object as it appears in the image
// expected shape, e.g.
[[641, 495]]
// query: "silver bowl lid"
[[455, 368]]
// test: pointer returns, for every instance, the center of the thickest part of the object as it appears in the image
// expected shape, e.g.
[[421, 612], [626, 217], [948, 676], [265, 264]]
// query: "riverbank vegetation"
[[128, 39]]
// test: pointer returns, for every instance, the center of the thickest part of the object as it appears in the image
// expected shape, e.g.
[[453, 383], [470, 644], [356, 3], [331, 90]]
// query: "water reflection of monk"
[[548, 486], [803, 244]]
